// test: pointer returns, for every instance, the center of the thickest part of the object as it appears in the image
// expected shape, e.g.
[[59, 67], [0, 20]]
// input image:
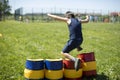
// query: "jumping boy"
[[75, 35]]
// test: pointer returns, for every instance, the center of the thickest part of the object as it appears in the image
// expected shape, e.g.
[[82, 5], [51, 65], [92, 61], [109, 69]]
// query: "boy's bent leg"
[[67, 55], [76, 60]]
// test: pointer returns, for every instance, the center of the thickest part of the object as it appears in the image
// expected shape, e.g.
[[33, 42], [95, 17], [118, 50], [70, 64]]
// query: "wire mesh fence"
[[40, 15]]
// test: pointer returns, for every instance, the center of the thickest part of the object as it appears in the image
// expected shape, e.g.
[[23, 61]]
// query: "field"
[[20, 41]]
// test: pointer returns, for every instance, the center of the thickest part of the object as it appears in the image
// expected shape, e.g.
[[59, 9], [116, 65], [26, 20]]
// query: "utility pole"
[[32, 16]]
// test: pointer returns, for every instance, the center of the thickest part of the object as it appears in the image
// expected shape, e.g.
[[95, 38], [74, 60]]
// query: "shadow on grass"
[[97, 77]]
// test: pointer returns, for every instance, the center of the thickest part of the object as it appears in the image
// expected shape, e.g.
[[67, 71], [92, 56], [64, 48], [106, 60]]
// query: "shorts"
[[71, 44]]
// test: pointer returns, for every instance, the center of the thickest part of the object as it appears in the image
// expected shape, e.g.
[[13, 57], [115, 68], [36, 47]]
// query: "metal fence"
[[40, 15]]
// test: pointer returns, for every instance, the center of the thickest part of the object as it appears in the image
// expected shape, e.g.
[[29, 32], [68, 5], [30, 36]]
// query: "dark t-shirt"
[[75, 29]]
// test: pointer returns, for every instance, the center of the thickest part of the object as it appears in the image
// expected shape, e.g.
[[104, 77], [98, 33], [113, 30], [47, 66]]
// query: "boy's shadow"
[[97, 77]]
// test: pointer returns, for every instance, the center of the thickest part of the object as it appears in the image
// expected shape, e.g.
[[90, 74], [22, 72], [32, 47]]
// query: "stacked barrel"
[[69, 71], [58, 69], [34, 69], [89, 64], [53, 69]]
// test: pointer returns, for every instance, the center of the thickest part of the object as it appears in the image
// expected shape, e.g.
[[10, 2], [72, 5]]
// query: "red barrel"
[[89, 64], [69, 71]]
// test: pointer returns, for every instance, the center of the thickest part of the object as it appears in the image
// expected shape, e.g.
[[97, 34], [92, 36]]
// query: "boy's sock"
[[77, 64]]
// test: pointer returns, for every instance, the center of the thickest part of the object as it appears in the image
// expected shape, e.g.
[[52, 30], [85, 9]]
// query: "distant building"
[[114, 16], [118, 13], [19, 14]]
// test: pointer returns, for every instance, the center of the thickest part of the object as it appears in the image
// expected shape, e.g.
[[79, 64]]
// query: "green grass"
[[46, 40]]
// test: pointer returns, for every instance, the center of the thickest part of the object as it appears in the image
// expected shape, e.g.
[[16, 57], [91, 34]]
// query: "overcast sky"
[[88, 5]]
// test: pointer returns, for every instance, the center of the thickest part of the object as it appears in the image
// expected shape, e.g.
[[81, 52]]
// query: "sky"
[[64, 5]]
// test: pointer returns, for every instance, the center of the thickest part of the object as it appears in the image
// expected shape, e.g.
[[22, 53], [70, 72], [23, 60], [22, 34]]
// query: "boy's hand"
[[48, 14], [87, 16]]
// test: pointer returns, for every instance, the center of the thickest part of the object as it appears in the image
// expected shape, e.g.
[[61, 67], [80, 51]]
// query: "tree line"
[[4, 9]]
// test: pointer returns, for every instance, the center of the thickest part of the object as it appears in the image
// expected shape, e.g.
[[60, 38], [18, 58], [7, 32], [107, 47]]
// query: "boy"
[[75, 36]]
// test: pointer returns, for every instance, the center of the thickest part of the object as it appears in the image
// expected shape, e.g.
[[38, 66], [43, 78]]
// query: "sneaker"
[[77, 64], [79, 48]]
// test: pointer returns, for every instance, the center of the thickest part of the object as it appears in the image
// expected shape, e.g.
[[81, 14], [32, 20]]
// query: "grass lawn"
[[20, 41]]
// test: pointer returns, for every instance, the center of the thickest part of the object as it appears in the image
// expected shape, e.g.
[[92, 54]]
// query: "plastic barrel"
[[69, 72], [89, 68], [34, 69], [53, 69]]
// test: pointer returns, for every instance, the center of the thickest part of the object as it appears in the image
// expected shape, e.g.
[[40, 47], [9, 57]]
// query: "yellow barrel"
[[54, 74], [69, 72], [89, 68], [33, 74], [72, 73], [34, 69], [53, 69]]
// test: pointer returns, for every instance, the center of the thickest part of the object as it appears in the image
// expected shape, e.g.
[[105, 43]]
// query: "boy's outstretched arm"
[[85, 20], [58, 17]]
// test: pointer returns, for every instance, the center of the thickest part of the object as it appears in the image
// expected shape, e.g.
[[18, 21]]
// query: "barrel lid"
[[54, 59], [35, 59]]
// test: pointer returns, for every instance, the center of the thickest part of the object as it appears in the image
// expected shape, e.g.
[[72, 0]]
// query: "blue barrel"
[[53, 69], [53, 64], [35, 64], [34, 69]]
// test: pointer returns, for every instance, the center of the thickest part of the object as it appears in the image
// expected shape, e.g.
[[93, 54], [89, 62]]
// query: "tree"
[[4, 9]]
